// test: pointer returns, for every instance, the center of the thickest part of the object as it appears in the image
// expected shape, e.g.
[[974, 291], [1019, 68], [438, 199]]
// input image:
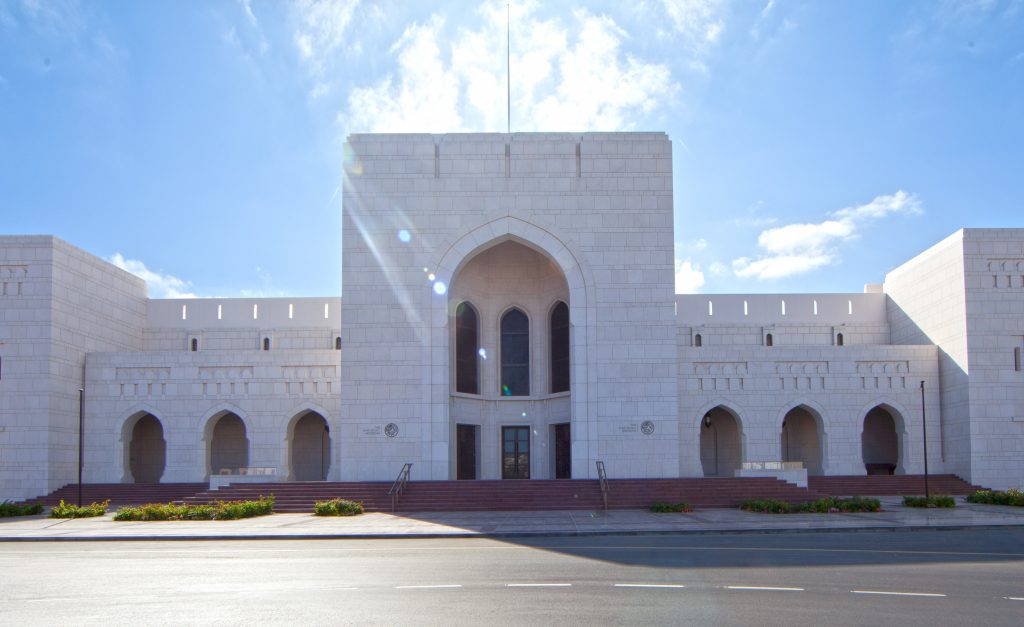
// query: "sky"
[[816, 145]]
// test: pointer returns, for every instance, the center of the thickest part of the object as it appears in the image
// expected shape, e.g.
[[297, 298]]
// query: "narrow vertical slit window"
[[560, 348], [769, 340], [1017, 359], [327, 310], [291, 311], [515, 354], [839, 339], [711, 308], [783, 307], [220, 312], [194, 344], [746, 310], [698, 341], [337, 343], [266, 343], [467, 347], [255, 311], [184, 312], [815, 307]]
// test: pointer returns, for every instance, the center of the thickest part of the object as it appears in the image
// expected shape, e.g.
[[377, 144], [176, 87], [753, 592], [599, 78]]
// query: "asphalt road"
[[970, 577]]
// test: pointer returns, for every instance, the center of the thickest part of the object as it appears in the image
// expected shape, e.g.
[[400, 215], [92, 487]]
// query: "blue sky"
[[816, 144]]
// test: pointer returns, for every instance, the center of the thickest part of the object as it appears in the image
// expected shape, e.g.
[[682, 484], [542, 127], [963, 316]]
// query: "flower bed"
[[821, 506], [219, 510], [66, 510], [1012, 497]]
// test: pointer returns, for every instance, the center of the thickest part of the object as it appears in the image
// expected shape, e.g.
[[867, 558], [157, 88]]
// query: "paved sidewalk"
[[508, 524]]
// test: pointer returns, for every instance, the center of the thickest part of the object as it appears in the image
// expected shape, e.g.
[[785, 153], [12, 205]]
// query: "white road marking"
[[1014, 598], [899, 594], [649, 585], [771, 588], [538, 585], [430, 587]]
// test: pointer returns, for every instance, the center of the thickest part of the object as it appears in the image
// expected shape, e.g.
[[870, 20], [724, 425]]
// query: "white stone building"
[[508, 312]]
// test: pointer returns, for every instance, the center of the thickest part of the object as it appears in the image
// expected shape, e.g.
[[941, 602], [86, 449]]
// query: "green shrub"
[[825, 505], [7, 509], [1013, 496], [67, 510], [670, 508], [219, 510], [940, 500], [338, 507]]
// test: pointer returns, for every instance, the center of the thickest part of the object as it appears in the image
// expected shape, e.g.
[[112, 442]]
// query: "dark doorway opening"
[[466, 454], [563, 451], [515, 452]]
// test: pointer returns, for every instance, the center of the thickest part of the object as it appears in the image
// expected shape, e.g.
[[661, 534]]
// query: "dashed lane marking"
[[899, 594], [1014, 598], [430, 587], [538, 585], [769, 588]]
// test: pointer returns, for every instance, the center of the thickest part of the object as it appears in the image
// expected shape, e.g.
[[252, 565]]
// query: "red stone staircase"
[[890, 485], [556, 494], [121, 493]]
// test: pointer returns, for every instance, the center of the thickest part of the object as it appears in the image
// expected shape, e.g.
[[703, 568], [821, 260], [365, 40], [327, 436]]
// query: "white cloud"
[[564, 76], [699, 24], [798, 248], [159, 285], [320, 30], [689, 278]]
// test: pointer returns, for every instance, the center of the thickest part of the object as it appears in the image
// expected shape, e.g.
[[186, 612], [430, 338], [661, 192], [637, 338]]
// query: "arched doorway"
[[720, 443], [801, 439], [880, 444], [229, 447], [147, 450], [310, 457]]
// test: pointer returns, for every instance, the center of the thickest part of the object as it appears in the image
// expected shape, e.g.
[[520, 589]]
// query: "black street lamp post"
[[924, 428]]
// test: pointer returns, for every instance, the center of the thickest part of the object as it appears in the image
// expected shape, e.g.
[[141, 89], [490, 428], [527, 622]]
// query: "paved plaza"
[[511, 524]]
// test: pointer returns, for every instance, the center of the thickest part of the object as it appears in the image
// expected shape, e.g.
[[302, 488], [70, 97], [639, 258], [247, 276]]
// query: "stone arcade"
[[508, 312]]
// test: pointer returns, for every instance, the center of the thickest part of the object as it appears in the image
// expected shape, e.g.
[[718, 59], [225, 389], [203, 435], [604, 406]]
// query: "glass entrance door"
[[515, 452], [563, 451], [466, 460]]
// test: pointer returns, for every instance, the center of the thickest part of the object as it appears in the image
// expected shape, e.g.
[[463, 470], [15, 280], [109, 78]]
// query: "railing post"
[[399, 485]]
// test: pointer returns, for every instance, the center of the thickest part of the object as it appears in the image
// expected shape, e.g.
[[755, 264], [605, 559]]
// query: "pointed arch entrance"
[[228, 443], [721, 449], [802, 434], [309, 439], [880, 441], [146, 449]]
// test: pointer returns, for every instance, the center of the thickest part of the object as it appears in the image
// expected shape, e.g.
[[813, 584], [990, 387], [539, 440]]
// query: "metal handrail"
[[602, 476], [399, 485]]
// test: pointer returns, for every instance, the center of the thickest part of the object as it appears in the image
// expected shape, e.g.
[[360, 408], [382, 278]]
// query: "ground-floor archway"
[[310, 451], [802, 439], [147, 450], [720, 443], [229, 446], [880, 444]]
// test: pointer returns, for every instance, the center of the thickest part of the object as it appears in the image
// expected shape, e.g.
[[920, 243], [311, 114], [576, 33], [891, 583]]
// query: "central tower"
[[508, 306]]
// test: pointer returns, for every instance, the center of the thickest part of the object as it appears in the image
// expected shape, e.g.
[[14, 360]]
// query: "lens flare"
[[404, 236], [440, 288], [483, 353], [505, 391], [431, 277]]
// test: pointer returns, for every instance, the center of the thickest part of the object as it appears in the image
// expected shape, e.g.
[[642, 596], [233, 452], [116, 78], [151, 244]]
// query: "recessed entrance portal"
[[147, 451], [311, 448], [801, 440], [879, 443], [562, 438], [720, 453], [229, 448], [515, 452], [466, 441]]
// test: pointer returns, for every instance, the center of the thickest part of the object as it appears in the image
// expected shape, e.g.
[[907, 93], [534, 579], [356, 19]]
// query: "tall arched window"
[[698, 341], [266, 343], [467, 344], [515, 354], [195, 344], [768, 341], [560, 348], [839, 339]]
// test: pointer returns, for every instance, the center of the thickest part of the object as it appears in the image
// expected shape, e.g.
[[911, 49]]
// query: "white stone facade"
[[516, 229]]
